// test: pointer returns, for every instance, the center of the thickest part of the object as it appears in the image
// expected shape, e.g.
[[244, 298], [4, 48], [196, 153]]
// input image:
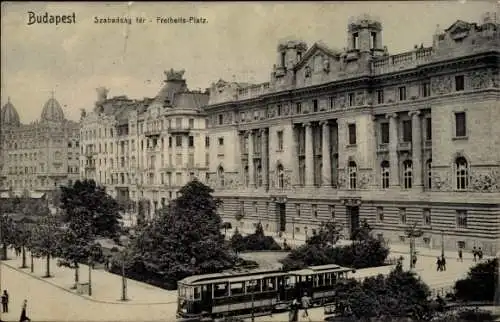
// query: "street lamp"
[[124, 241], [442, 243], [90, 275]]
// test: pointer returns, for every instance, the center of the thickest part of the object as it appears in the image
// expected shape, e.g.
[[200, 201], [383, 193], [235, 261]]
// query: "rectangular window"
[[297, 209], [178, 123], [461, 218], [178, 140], [221, 141], [280, 140], [178, 179], [298, 108], [332, 102], [459, 83], [407, 131], [332, 212], [207, 159], [314, 211], [351, 99], [428, 129], [279, 109], [402, 93], [373, 40], [460, 125], [191, 123], [352, 134], [426, 89], [190, 160], [169, 141], [207, 141], [315, 105], [221, 119], [427, 217], [255, 208], [178, 160], [355, 40], [380, 214], [384, 131], [380, 96], [402, 216], [191, 141]]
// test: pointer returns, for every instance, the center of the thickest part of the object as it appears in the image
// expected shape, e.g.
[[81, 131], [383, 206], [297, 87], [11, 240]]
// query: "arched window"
[[352, 172], [385, 174], [428, 173], [407, 174], [220, 176], [281, 176], [461, 173], [246, 175]]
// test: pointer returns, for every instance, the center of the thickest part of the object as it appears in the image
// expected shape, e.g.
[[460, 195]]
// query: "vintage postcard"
[[249, 161]]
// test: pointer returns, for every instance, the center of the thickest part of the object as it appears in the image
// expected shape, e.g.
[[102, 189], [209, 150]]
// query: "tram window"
[[197, 294], [289, 281], [182, 291], [189, 293], [328, 279], [221, 290], [236, 288], [253, 286], [334, 278], [321, 280], [269, 284]]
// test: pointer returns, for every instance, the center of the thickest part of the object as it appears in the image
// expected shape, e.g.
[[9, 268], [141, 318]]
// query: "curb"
[[46, 280]]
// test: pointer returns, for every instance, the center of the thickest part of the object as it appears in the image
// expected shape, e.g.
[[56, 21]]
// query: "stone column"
[[294, 154], [393, 150], [309, 155], [265, 157], [251, 167], [325, 153], [416, 148]]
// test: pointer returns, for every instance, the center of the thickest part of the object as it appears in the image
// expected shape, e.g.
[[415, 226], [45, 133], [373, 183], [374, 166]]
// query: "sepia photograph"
[[250, 161]]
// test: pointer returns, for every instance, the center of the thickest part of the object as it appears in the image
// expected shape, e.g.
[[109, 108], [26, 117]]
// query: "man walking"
[[439, 264], [460, 255], [474, 252], [306, 303], [5, 301], [443, 263]]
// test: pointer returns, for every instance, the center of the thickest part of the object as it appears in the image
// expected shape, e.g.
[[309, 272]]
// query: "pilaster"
[[393, 150], [309, 155], [251, 164], [416, 147], [265, 157], [326, 156]]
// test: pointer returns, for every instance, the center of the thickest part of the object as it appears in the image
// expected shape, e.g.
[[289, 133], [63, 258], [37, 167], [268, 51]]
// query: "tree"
[[185, 239], [22, 237], [480, 283], [44, 239], [7, 233], [329, 234], [226, 225], [103, 212]]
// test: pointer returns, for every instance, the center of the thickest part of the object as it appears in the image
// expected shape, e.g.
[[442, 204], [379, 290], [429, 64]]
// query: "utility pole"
[[442, 243], [412, 232], [90, 276]]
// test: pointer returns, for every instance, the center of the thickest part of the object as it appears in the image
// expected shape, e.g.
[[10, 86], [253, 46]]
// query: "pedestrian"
[[414, 260], [443, 263], [293, 316], [24, 317], [480, 253], [5, 301], [438, 264], [306, 303], [460, 255], [474, 252]]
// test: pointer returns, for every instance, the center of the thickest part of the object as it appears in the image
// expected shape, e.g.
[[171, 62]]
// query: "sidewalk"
[[106, 287]]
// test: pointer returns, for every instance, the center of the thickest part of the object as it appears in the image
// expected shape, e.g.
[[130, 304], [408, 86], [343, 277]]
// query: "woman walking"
[[24, 317]]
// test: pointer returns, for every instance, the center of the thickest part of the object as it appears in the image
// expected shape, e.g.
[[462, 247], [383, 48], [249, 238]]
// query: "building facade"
[[359, 134], [146, 150], [40, 156]]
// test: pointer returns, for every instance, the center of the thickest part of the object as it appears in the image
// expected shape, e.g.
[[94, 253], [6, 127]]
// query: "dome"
[[52, 111], [9, 114]]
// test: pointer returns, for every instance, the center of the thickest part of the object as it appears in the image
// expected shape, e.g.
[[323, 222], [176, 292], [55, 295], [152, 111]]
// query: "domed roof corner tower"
[[52, 111]]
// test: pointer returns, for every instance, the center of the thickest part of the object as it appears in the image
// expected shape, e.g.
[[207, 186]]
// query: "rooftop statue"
[[174, 75]]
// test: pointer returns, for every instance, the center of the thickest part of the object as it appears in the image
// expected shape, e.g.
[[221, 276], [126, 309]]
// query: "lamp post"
[[124, 241], [305, 230], [90, 275], [442, 243], [32, 263]]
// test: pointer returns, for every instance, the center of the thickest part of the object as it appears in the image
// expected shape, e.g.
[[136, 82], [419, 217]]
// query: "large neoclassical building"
[[362, 134], [146, 150], [40, 156]]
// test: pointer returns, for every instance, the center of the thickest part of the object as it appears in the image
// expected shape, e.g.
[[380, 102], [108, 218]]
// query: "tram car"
[[212, 296]]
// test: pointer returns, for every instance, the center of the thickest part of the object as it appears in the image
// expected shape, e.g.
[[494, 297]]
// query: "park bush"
[[254, 242], [365, 252], [479, 285]]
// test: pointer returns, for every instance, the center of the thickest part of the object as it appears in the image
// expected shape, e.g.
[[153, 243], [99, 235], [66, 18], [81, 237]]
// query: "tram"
[[242, 292]]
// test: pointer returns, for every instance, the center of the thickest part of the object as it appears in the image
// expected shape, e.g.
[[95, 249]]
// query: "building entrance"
[[353, 217], [281, 216]]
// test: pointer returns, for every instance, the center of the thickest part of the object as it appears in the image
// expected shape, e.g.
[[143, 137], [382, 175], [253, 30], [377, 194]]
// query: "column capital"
[[391, 115], [324, 123], [414, 113], [307, 124], [263, 131]]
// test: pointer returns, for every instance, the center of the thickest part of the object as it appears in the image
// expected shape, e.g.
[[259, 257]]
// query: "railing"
[[253, 91], [182, 128], [428, 144], [404, 146], [396, 62], [383, 147]]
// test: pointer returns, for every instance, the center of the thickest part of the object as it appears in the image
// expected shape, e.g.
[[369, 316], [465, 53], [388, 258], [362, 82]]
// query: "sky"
[[238, 42]]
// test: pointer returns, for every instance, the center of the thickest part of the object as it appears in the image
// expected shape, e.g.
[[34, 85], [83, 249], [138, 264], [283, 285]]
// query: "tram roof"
[[311, 270], [231, 276]]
